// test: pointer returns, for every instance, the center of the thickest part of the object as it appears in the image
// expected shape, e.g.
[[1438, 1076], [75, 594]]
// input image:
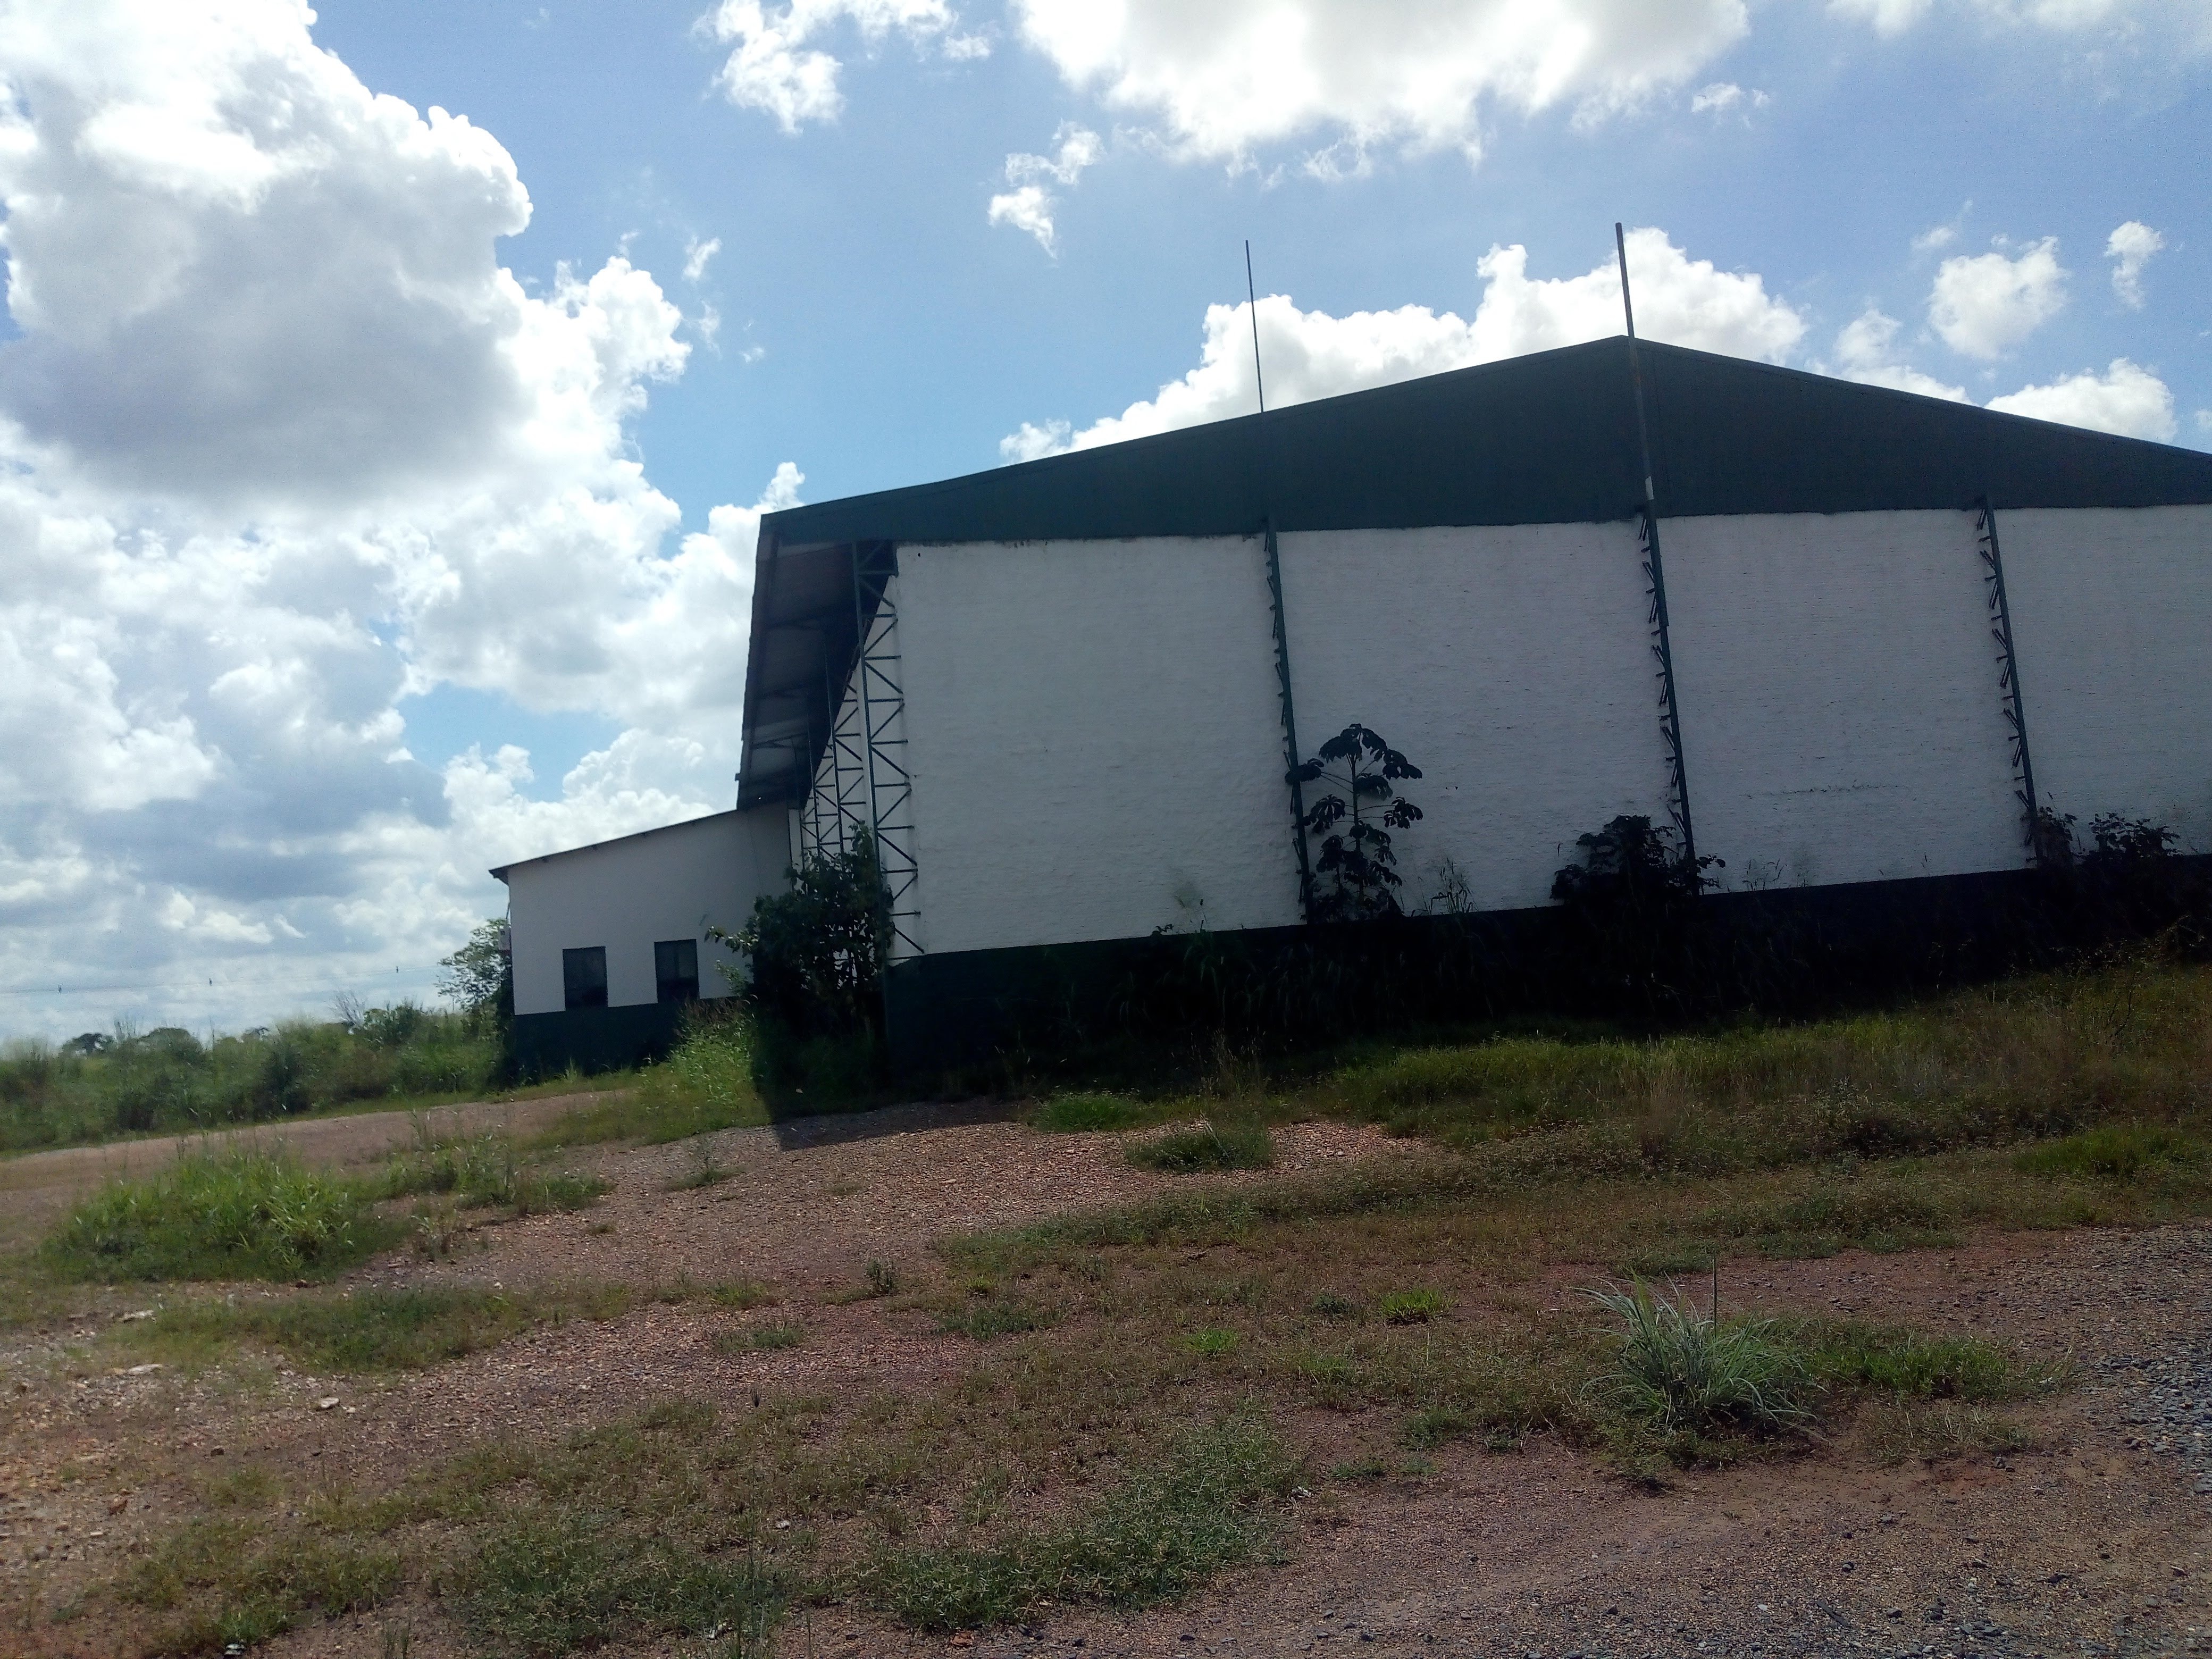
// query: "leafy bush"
[[1208, 1145], [814, 955], [1358, 880], [238, 1215]]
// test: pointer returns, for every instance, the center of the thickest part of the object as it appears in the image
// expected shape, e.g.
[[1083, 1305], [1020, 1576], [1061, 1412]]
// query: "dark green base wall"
[[1789, 949], [592, 1039]]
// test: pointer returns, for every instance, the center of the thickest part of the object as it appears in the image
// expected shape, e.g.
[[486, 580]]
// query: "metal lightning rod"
[[1291, 756], [1664, 648]]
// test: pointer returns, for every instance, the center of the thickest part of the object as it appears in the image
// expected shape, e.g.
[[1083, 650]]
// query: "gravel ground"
[[2095, 1542]]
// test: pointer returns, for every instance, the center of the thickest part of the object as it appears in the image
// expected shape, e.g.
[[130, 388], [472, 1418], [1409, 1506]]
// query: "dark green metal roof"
[[1549, 439]]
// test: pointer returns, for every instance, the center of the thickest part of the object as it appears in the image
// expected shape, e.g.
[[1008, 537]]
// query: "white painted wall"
[[626, 895], [1841, 713], [1510, 664], [2112, 615], [1094, 740]]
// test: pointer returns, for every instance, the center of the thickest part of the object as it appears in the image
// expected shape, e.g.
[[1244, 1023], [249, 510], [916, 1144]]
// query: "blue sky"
[[346, 564]]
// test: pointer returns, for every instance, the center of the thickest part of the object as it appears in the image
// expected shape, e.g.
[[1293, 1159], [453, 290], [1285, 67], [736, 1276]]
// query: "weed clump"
[[228, 1584], [210, 1216], [485, 1171], [1208, 1145]]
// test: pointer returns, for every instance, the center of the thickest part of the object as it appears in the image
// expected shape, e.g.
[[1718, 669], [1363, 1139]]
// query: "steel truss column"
[[879, 706], [1292, 758], [1663, 651], [2015, 711]]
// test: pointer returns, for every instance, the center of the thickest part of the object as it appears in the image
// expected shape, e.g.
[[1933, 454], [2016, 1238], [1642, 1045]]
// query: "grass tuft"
[[1415, 1307], [219, 1216], [1206, 1145], [1677, 1371]]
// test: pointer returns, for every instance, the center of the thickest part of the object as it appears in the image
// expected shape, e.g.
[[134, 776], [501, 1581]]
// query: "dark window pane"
[[676, 966], [584, 977]]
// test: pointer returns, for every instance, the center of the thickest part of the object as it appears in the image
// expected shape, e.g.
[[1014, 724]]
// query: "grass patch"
[[486, 1170], [367, 1331], [1081, 1114], [986, 1317], [1415, 1307], [219, 1216], [785, 1334], [2111, 1152], [1902, 1431], [1162, 1532], [225, 1584], [1204, 1146], [1214, 1340], [547, 1584], [741, 1294]]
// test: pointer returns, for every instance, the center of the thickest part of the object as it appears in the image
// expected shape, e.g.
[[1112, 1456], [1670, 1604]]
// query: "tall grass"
[[2034, 1057], [102, 1085]]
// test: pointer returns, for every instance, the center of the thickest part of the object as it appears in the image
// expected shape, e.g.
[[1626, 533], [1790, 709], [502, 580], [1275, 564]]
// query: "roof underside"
[[1549, 439]]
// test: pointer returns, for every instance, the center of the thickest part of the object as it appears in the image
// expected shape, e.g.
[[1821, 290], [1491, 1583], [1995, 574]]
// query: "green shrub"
[[1207, 1146], [235, 1215], [486, 1170], [2114, 1151], [1081, 1114]]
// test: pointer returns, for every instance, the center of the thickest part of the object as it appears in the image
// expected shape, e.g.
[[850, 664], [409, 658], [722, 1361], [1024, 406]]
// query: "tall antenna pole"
[[1662, 645], [1252, 296]]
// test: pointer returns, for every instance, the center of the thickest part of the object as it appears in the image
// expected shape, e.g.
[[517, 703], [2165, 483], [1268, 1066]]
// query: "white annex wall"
[[626, 895], [1841, 715], [1095, 742], [2112, 617], [1510, 664]]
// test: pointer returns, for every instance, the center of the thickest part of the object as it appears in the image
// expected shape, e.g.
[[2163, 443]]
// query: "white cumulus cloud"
[[1029, 205], [1226, 77], [2126, 398], [1725, 98], [282, 447], [1310, 354], [2130, 248], [775, 65], [1894, 17], [1984, 304], [1865, 351]]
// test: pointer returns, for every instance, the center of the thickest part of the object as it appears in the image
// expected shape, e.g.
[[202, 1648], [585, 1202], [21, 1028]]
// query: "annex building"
[[1063, 693]]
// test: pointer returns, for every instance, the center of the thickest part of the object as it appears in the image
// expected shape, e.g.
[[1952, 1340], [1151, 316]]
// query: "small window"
[[676, 965], [584, 977]]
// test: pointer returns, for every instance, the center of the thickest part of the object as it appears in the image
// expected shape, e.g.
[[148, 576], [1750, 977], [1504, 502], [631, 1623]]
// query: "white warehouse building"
[[1062, 694]]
